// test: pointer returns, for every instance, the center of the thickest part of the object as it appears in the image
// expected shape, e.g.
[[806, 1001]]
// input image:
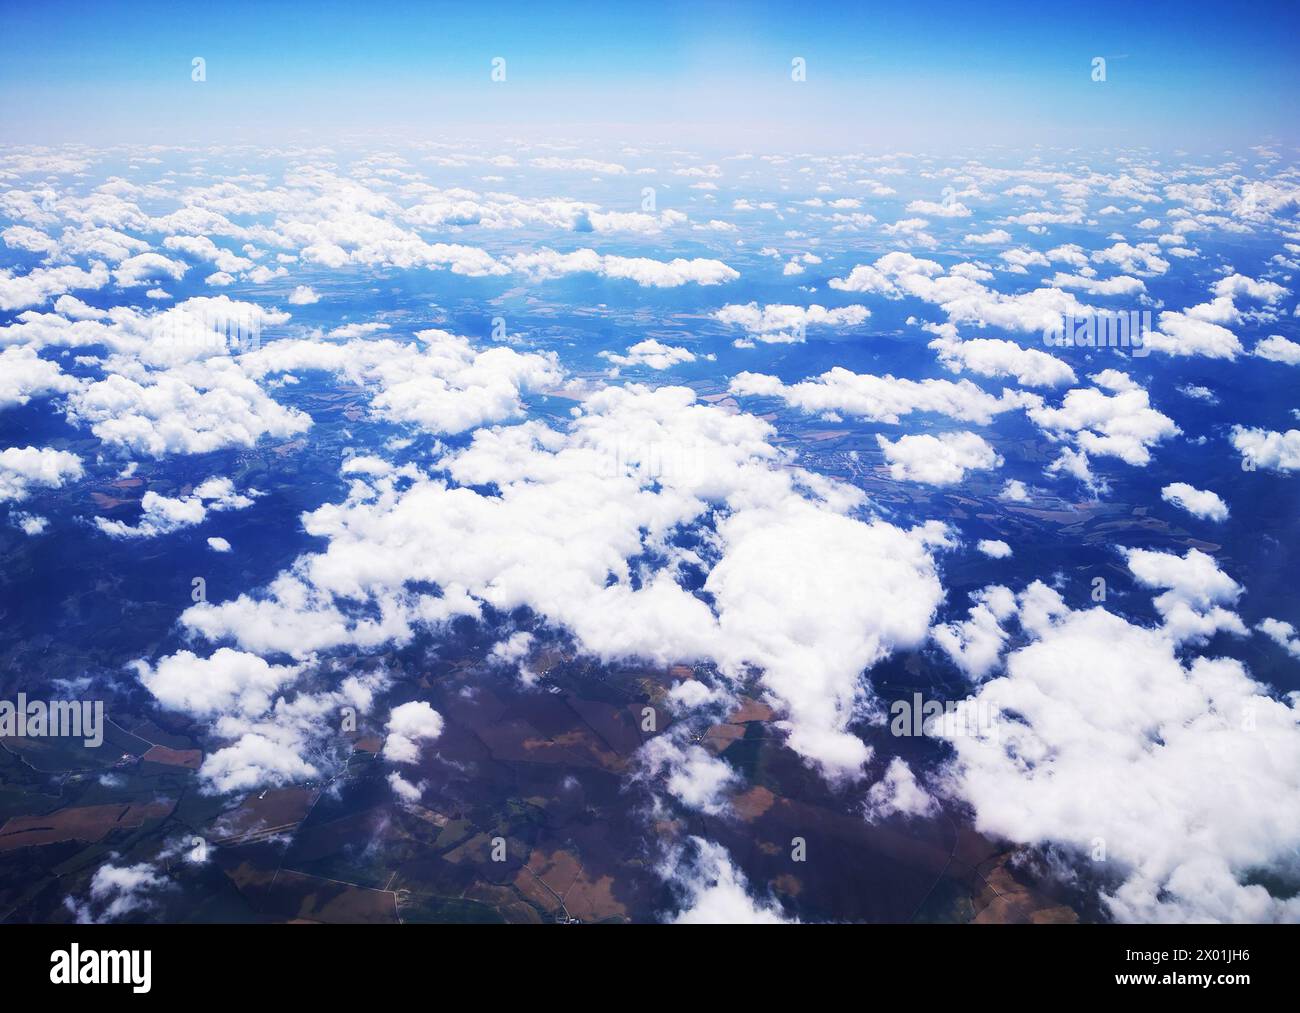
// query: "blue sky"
[[739, 373], [936, 75]]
